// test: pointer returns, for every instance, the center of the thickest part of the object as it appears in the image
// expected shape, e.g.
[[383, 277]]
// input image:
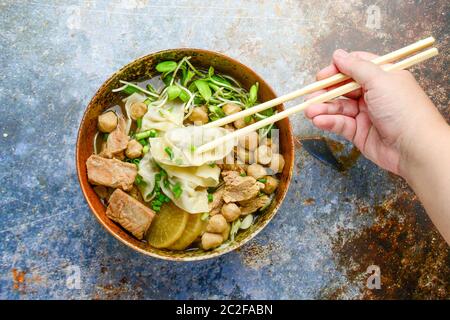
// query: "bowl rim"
[[211, 254]]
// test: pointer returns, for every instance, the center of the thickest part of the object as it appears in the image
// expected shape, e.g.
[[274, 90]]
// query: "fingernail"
[[341, 53]]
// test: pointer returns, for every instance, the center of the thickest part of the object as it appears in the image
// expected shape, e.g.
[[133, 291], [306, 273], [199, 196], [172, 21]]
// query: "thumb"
[[362, 71]]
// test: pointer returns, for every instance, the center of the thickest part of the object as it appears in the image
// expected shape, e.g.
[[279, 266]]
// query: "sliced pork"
[[110, 172], [239, 188], [253, 205], [217, 201], [129, 213], [117, 141]]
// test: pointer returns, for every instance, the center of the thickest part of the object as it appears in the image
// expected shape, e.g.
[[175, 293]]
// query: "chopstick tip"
[[430, 39]]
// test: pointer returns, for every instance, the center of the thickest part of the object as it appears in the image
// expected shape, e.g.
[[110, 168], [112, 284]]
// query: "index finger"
[[331, 70]]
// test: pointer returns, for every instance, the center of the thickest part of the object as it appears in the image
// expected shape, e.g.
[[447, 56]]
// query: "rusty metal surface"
[[331, 227]]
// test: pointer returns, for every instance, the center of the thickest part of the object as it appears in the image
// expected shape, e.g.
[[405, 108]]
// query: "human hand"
[[383, 118]]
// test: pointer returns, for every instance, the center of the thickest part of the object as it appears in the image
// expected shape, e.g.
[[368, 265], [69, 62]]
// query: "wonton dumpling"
[[135, 97], [182, 143], [168, 116], [203, 176], [147, 170], [190, 200]]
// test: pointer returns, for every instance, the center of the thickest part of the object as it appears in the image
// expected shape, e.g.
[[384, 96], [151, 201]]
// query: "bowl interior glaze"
[[143, 68]]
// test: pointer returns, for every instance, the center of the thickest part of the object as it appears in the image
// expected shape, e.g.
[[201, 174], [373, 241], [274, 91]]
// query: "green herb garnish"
[[146, 134], [203, 88], [220, 81], [139, 180], [173, 92], [215, 112], [186, 77], [213, 86], [166, 66], [177, 190], [144, 142], [210, 71], [150, 88], [268, 112], [135, 161], [130, 89], [169, 152], [184, 96], [167, 79], [159, 197], [204, 216], [210, 197], [166, 183], [253, 94]]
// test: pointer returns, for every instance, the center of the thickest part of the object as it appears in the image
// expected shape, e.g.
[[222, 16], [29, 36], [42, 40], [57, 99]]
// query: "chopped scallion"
[[169, 152], [177, 190], [138, 180], [204, 216], [146, 134], [144, 142], [166, 183]]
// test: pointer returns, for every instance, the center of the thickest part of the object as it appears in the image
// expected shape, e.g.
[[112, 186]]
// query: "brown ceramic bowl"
[[144, 68]]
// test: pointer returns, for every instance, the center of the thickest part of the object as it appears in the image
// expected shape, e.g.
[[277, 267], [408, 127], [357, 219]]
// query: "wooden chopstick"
[[337, 78], [332, 94]]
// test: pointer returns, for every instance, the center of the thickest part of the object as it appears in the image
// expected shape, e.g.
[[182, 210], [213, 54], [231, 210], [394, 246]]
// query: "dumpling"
[[135, 97], [147, 170], [177, 146], [167, 116], [203, 176], [191, 199]]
